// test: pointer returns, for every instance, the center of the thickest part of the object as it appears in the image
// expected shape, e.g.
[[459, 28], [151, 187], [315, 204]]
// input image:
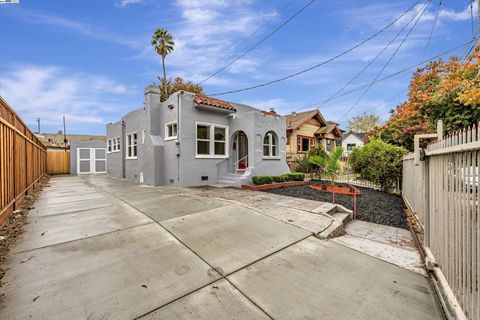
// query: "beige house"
[[308, 129]]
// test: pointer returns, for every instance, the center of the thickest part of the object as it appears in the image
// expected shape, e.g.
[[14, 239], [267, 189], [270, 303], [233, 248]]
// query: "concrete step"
[[344, 217]]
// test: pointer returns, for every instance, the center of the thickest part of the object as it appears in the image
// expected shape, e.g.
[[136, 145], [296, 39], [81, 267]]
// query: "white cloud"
[[51, 92], [206, 36], [62, 23], [124, 3]]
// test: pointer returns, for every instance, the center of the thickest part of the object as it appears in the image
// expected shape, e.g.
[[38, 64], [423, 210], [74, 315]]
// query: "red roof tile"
[[212, 102]]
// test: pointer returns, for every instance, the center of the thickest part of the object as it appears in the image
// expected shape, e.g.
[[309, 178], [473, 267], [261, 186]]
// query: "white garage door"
[[91, 160]]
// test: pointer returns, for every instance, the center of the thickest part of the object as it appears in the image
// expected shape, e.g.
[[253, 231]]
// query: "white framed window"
[[211, 140], [131, 152], [113, 145], [171, 131], [143, 136], [270, 145]]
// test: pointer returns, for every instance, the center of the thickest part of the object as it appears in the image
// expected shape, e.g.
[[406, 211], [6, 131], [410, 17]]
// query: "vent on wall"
[[171, 180], [204, 178]]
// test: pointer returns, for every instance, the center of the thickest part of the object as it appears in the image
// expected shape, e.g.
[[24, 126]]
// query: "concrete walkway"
[[102, 248]]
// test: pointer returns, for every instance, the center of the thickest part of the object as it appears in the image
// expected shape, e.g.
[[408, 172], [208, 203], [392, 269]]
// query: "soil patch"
[[372, 205], [13, 228]]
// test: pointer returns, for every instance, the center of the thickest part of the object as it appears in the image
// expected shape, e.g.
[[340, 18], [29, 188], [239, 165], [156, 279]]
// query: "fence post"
[[426, 205]]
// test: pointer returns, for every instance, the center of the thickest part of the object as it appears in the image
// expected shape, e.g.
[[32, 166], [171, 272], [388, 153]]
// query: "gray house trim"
[[175, 161]]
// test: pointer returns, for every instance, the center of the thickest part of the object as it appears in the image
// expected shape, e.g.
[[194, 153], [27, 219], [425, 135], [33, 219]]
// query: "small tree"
[[378, 162], [169, 86], [331, 163], [363, 123]]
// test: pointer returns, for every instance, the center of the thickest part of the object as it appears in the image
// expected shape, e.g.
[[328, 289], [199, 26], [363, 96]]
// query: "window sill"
[[131, 158], [210, 157], [171, 138], [271, 158], [108, 152]]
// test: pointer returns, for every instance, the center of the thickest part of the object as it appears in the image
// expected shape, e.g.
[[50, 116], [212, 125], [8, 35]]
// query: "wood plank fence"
[[22, 160], [443, 190], [58, 162]]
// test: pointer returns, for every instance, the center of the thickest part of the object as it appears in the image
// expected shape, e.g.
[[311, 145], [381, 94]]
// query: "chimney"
[[294, 112], [272, 110]]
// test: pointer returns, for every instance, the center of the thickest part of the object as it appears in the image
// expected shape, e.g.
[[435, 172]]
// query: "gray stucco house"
[[192, 139]]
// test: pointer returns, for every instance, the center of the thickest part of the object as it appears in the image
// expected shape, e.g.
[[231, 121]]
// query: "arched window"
[[270, 145]]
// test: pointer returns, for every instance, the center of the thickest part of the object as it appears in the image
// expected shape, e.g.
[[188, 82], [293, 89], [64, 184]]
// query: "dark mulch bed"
[[372, 205]]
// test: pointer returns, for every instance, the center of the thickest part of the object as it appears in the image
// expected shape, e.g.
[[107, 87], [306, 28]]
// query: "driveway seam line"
[[69, 212], [88, 237]]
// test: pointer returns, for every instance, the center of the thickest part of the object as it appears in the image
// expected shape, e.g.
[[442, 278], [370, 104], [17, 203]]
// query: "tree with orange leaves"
[[447, 91]]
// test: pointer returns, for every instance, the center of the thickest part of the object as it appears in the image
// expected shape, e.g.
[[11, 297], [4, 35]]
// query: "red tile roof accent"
[[212, 102]]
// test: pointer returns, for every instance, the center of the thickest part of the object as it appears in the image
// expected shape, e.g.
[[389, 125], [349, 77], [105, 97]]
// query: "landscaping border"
[[264, 187]]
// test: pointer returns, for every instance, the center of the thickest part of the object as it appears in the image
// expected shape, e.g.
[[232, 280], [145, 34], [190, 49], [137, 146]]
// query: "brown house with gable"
[[308, 129]]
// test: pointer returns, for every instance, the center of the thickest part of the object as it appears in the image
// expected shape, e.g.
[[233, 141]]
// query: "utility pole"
[[64, 135], [38, 124]]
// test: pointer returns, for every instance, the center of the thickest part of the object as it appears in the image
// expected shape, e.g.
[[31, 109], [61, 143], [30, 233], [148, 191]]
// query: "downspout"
[[179, 108], [123, 151]]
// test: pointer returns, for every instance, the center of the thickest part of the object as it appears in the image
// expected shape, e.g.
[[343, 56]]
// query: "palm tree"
[[163, 43], [330, 163]]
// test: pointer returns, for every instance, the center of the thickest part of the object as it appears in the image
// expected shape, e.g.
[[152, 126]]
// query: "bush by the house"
[[278, 179], [378, 162], [259, 180], [296, 176]]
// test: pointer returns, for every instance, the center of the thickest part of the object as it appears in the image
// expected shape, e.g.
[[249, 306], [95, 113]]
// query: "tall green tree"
[[363, 123], [163, 43]]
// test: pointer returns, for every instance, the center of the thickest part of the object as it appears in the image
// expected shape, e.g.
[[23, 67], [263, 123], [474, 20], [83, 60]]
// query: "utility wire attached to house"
[[259, 42], [337, 56], [425, 7], [368, 64]]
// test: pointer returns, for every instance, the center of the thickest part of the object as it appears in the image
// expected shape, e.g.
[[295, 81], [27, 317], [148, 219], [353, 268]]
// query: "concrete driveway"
[[103, 248]]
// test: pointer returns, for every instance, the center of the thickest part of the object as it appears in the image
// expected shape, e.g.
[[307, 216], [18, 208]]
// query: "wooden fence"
[[443, 190], [58, 162], [22, 160]]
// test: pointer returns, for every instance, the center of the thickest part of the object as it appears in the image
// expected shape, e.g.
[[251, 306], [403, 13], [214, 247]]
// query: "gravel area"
[[372, 205]]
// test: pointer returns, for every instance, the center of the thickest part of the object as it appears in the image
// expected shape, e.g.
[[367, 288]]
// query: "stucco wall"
[[114, 159], [74, 144], [173, 161]]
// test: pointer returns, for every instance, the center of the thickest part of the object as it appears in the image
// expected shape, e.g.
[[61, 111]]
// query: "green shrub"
[[286, 177], [258, 180], [378, 162], [281, 178], [296, 176]]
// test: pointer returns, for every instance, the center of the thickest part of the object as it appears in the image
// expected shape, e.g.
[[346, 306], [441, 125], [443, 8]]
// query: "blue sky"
[[90, 60]]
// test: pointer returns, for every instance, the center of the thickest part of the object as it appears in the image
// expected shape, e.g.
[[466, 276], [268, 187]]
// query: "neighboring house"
[[56, 141], [308, 129], [352, 140], [192, 140]]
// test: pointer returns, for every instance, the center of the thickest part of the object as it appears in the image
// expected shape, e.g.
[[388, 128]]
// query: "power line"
[[321, 63], [371, 61], [387, 63], [259, 42], [256, 31], [433, 28], [392, 75]]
